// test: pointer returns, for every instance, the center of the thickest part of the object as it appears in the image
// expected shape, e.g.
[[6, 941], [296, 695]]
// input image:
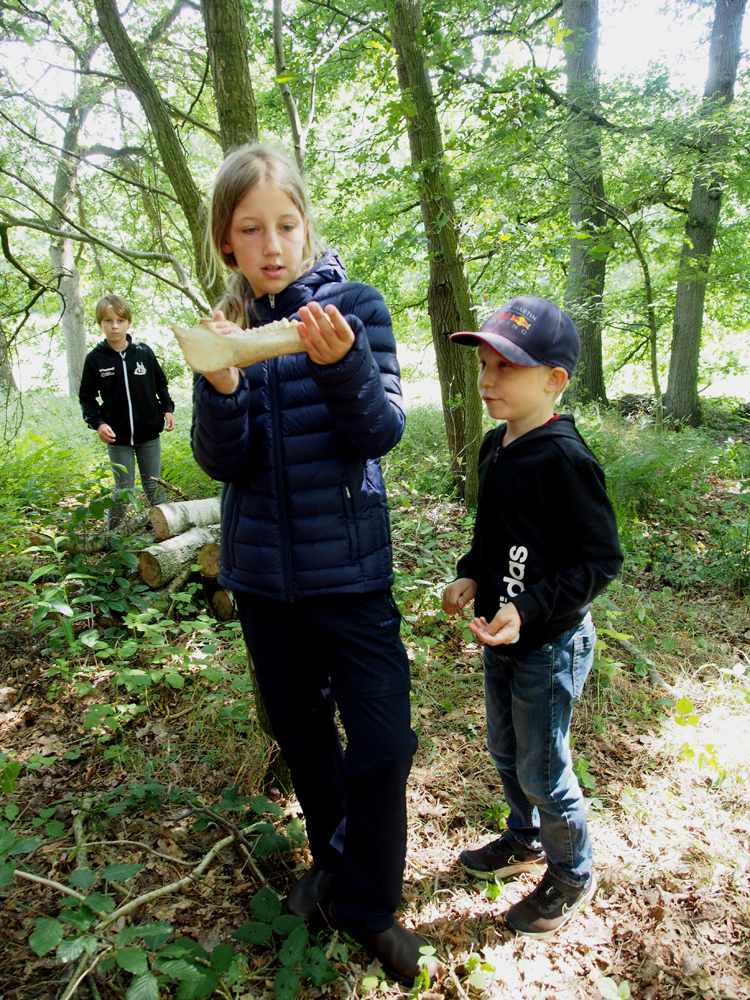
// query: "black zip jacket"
[[133, 391], [545, 536]]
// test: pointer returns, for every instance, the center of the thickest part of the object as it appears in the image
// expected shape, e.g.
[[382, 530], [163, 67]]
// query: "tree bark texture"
[[584, 289], [683, 404], [226, 37], [449, 299], [172, 156], [158, 564], [7, 379], [170, 519]]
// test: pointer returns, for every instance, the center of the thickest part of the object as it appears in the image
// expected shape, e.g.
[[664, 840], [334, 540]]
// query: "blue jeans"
[[529, 706]]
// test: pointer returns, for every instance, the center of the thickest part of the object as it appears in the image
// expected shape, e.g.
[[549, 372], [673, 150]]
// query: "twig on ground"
[[138, 843], [80, 974], [242, 840], [454, 978], [164, 890], [58, 886], [168, 486]]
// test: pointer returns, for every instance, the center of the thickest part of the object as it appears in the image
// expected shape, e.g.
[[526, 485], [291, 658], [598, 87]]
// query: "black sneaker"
[[545, 910], [502, 858]]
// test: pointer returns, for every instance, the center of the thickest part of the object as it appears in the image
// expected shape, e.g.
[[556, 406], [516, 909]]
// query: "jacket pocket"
[[351, 524]]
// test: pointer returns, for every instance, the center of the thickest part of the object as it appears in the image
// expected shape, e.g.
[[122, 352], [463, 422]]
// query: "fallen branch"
[[30, 877], [81, 972], [165, 890], [168, 486], [144, 847], [248, 847]]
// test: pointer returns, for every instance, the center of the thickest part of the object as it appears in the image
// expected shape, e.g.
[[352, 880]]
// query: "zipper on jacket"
[[272, 300], [130, 402], [278, 459]]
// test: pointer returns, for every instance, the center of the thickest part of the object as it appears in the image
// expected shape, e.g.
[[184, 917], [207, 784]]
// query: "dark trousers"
[[345, 651]]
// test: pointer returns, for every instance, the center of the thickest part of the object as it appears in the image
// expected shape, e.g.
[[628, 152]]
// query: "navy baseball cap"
[[529, 332]]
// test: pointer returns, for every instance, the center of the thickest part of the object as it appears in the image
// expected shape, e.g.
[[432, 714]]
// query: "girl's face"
[[267, 237]]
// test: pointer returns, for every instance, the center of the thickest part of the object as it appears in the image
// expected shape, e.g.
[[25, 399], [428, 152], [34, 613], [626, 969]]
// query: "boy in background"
[[135, 402], [545, 544]]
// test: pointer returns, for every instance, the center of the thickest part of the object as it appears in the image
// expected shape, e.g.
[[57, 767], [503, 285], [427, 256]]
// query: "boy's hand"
[[326, 336], [106, 434], [503, 628], [458, 594], [169, 421], [226, 380]]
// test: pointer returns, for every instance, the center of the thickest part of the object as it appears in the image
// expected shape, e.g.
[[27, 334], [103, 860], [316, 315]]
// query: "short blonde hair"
[[243, 168], [119, 306]]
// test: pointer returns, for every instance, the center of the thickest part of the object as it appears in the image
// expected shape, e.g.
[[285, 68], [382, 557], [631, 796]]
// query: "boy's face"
[[511, 392], [115, 328]]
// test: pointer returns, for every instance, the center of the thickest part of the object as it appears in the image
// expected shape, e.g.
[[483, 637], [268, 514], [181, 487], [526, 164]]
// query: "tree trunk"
[[158, 564], [449, 297], [172, 156], [584, 288], [703, 217], [226, 37], [170, 519], [7, 381]]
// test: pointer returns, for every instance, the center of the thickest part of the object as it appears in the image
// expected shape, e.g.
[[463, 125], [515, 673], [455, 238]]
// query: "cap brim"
[[506, 348]]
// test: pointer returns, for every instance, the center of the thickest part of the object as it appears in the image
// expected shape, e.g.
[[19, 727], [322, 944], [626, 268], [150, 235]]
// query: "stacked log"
[[158, 564], [170, 519], [188, 533]]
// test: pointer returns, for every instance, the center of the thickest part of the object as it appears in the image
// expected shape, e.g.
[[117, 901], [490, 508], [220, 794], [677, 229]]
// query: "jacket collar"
[[329, 269]]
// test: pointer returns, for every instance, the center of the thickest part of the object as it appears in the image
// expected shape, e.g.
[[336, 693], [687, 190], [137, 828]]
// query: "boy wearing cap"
[[545, 544]]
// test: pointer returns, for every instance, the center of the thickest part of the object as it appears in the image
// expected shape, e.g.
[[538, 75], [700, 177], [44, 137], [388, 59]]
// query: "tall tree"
[[449, 296], [584, 289], [683, 404], [226, 38], [173, 157]]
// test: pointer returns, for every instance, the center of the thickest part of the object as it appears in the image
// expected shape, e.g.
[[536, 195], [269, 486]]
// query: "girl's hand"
[[227, 380], [326, 336], [503, 628]]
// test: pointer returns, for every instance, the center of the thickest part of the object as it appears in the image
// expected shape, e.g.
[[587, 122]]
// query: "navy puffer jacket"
[[304, 510]]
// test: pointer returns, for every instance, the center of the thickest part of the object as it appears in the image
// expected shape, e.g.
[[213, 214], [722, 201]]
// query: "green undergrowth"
[[123, 664]]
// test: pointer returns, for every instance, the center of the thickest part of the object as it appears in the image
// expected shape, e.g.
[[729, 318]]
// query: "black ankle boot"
[[309, 898]]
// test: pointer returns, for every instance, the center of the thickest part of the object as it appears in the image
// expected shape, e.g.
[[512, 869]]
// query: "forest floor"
[[666, 772]]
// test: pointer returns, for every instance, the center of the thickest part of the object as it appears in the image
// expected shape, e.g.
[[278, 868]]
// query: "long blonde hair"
[[242, 169]]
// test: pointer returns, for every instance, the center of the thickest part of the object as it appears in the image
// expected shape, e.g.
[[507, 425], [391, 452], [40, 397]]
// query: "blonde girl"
[[305, 542]]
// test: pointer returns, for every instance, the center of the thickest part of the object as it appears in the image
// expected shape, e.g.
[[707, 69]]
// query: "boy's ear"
[[557, 379]]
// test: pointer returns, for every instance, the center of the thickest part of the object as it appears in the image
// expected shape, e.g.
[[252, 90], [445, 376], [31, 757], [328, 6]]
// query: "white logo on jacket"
[[104, 372], [518, 555], [140, 369]]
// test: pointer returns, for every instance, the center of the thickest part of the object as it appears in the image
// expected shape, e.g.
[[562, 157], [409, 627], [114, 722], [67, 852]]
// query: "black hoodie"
[[545, 536], [133, 390]]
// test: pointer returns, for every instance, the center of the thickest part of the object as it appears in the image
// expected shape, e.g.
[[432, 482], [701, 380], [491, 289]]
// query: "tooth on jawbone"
[[207, 350]]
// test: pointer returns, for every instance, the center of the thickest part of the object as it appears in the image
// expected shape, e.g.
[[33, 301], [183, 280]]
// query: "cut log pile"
[[188, 532]]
